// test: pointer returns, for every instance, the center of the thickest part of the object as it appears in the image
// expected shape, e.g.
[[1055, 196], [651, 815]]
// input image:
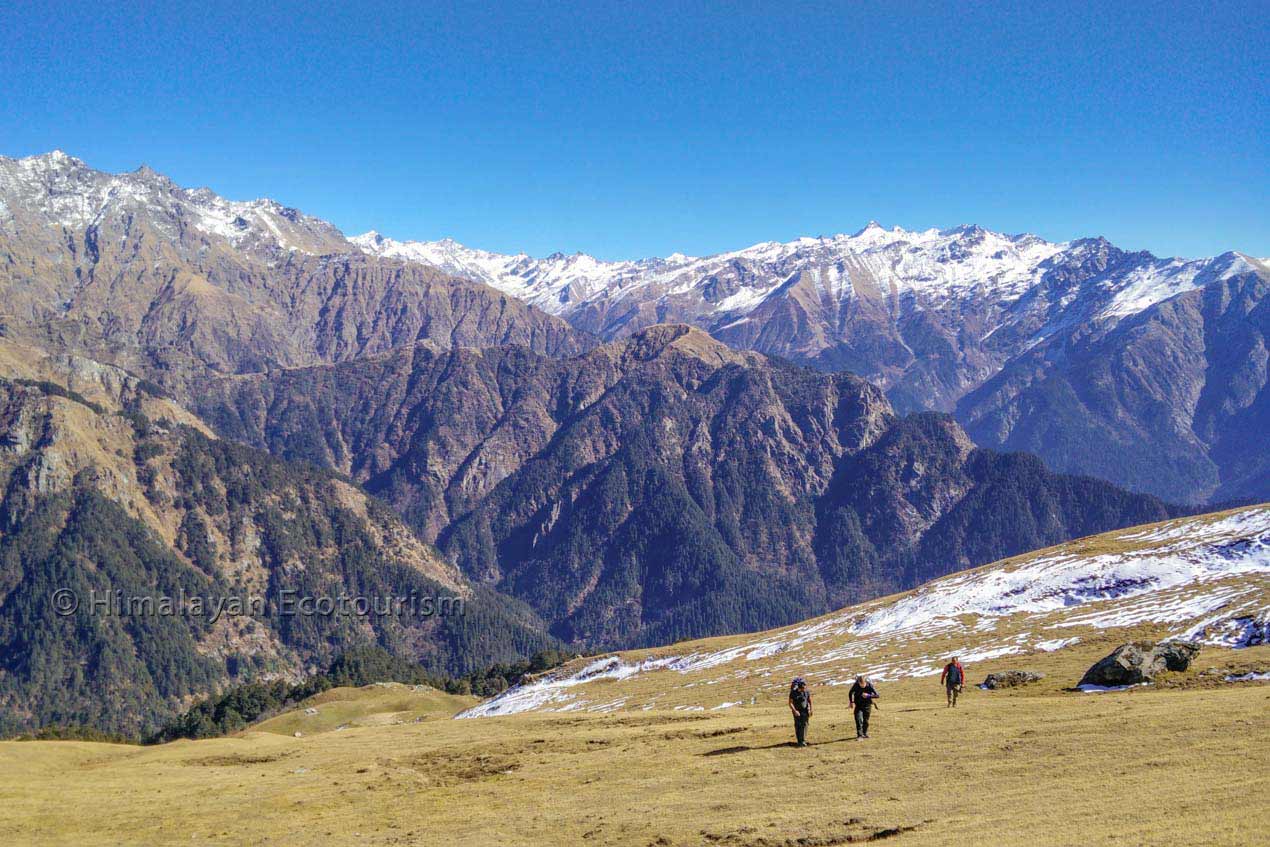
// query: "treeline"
[[52, 389], [243, 705]]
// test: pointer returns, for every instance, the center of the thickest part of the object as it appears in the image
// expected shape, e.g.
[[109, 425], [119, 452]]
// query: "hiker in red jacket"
[[952, 677]]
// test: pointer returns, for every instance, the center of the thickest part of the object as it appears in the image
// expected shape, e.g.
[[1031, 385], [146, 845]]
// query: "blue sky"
[[638, 128]]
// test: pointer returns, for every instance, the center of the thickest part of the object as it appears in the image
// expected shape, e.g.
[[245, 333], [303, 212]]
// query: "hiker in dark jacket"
[[861, 698], [800, 705], [952, 678]]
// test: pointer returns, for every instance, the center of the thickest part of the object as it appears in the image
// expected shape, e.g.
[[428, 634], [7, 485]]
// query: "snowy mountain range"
[[1147, 371], [59, 191], [1150, 372], [935, 265], [864, 302]]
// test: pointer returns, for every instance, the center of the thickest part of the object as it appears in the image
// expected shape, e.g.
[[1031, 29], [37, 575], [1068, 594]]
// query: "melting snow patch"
[[554, 689], [1238, 544], [1102, 689], [1232, 629], [1055, 644], [725, 706], [1253, 676], [986, 653]]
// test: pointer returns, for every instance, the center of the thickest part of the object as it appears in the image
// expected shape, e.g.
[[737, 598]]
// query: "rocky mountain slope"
[[664, 486], [1004, 329], [1146, 371], [110, 492], [1203, 579], [1171, 400], [133, 269]]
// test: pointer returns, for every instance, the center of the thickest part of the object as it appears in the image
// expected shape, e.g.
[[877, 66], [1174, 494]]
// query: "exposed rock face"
[[1010, 679], [167, 281], [664, 486], [1132, 664]]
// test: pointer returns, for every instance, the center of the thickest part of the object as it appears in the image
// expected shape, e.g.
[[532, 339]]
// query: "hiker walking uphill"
[[800, 705], [861, 697], [952, 678]]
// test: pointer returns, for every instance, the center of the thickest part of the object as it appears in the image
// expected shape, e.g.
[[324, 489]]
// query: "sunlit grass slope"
[[690, 744]]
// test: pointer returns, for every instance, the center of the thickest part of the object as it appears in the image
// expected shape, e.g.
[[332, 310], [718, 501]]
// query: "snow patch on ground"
[[1190, 570], [1252, 676], [1055, 644], [1090, 688]]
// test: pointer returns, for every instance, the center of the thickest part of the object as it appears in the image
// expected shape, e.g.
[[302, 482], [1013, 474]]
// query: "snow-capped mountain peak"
[[935, 262], [58, 190]]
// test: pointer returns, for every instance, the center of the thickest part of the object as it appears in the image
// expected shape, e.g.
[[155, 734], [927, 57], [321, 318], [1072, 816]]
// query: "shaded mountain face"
[[110, 492], [1035, 345], [1171, 400], [134, 269], [664, 486]]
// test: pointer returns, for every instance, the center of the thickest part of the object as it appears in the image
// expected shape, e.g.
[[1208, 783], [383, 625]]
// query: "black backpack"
[[799, 698]]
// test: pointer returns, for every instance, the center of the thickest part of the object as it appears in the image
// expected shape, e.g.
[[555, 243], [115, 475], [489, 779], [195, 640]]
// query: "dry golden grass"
[[1173, 766], [1182, 762], [372, 705], [830, 650]]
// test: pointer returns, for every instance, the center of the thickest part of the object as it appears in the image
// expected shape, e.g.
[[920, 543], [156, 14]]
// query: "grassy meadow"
[[1185, 762]]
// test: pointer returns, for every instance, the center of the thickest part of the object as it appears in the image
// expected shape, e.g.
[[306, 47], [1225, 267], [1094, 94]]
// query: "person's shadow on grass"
[[742, 748]]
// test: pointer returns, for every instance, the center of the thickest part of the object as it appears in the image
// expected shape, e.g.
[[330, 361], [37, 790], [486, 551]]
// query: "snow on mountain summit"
[[933, 261], [933, 265], [58, 190]]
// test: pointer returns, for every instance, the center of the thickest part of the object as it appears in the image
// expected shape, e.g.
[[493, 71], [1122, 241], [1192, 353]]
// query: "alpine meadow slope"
[[692, 743], [1202, 579]]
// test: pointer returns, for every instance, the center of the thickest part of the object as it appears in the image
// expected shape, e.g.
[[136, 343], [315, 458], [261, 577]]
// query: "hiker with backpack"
[[952, 678], [862, 697], [800, 705]]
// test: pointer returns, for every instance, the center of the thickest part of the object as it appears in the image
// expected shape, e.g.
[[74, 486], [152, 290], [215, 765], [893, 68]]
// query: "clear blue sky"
[[637, 129]]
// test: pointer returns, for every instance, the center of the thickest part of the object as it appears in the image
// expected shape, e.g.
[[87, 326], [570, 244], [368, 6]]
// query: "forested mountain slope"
[[664, 486], [123, 496]]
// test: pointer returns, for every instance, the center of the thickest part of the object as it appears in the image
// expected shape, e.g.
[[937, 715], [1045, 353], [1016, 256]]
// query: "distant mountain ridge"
[[1150, 372], [957, 320], [930, 269], [133, 269]]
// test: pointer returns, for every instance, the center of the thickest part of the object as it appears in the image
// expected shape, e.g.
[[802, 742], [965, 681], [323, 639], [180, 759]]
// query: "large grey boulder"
[[1132, 664], [1010, 679]]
